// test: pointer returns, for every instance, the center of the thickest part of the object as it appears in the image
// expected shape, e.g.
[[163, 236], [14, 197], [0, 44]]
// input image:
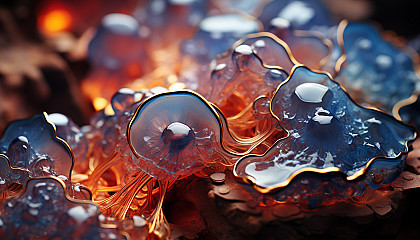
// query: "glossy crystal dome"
[[328, 132], [216, 34], [301, 14], [9, 176], [177, 135], [45, 212], [184, 136], [376, 72], [242, 73], [32, 144]]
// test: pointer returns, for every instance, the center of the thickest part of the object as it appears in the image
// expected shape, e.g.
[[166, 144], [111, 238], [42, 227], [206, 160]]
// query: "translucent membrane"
[[301, 15], [375, 72], [12, 179], [328, 132], [44, 211], [245, 76], [32, 144], [185, 135]]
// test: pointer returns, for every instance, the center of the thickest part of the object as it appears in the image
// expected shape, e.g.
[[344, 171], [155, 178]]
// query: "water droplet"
[[322, 116], [58, 119], [383, 61], [243, 49], [259, 43], [120, 24], [220, 67], [139, 221], [122, 100], [280, 23], [242, 56], [407, 176], [19, 152], [178, 135], [365, 44], [78, 213], [311, 92]]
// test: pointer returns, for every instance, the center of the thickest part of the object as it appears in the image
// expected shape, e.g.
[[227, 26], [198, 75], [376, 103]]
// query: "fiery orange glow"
[[55, 21], [99, 103]]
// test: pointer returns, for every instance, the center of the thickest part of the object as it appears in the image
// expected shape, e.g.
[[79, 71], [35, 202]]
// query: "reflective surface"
[[185, 135], [272, 50], [216, 35], [44, 212], [244, 76], [10, 176], [328, 132], [114, 64], [32, 144], [376, 72], [71, 133], [302, 14]]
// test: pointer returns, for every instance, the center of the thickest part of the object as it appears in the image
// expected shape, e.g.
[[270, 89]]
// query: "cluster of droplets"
[[235, 99]]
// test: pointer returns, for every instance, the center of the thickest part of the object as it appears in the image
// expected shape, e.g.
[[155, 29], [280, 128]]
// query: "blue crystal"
[[375, 73], [328, 132], [39, 135]]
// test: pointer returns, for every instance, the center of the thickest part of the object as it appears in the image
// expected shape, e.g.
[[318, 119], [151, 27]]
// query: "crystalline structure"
[[375, 72], [328, 133], [254, 67], [271, 50], [10, 176], [302, 14], [216, 34], [310, 48], [244, 76], [44, 212], [171, 21], [174, 134], [70, 132], [109, 129], [113, 63], [32, 144], [108, 48], [334, 34]]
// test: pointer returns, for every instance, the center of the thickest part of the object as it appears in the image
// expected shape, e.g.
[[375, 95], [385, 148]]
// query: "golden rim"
[[397, 107], [14, 168], [198, 96], [266, 66], [318, 35], [251, 142], [66, 195], [60, 140], [256, 35], [73, 200], [354, 176], [340, 40], [411, 53]]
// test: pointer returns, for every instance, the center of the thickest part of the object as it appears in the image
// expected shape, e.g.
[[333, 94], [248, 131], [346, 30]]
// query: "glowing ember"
[[55, 21]]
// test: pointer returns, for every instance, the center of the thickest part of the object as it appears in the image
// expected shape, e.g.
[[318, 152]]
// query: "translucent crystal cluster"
[[186, 89]]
